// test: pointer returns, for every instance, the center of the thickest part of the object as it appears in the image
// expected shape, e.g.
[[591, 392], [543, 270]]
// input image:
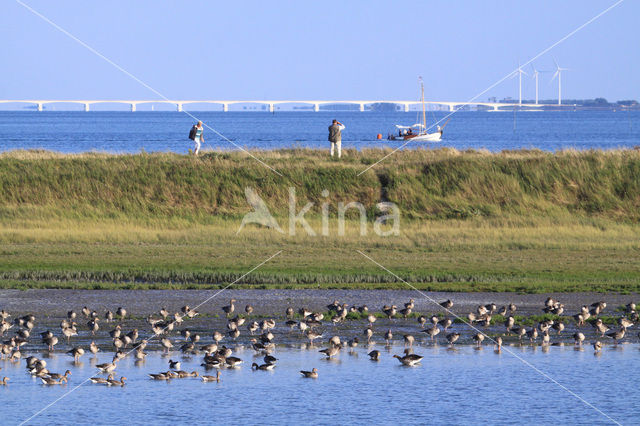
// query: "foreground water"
[[464, 385], [75, 131]]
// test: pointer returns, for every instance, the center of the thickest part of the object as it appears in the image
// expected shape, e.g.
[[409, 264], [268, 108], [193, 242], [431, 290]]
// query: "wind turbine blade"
[[554, 61]]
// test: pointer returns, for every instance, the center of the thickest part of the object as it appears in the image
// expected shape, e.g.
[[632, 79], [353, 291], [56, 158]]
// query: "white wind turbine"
[[519, 73], [558, 74], [535, 76]]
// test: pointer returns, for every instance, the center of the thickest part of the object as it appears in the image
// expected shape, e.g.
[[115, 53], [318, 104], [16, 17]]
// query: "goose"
[[164, 313], [498, 341], [107, 367], [313, 374], [558, 327], [409, 359], [625, 322], [121, 312], [597, 346], [389, 311], [217, 336], [406, 312], [447, 304], [330, 351], [312, 335], [101, 380], [264, 367], [512, 308], [478, 338], [371, 318], [289, 312], [50, 381], [93, 325], [113, 382], [410, 305], [434, 319], [234, 334], [408, 340], [422, 320], [253, 327], [174, 365], [93, 348], [188, 348], [210, 348], [228, 310], [630, 307], [184, 374], [4, 314], [532, 334], [369, 333], [76, 352], [374, 355], [546, 338], [509, 323], [215, 378], [116, 332], [453, 337], [388, 336], [133, 335], [56, 376], [268, 359], [166, 344], [578, 338], [108, 316], [86, 311], [471, 317], [192, 313], [503, 311], [432, 331], [51, 342], [481, 310], [233, 361], [617, 335], [353, 342], [224, 352], [5, 380], [140, 355], [335, 341], [601, 327], [446, 323], [159, 376]]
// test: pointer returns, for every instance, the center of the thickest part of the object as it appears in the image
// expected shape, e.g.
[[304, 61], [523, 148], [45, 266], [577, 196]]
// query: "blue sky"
[[315, 50]]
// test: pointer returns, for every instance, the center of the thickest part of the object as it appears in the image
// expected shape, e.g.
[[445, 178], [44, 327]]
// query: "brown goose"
[[617, 335], [114, 382], [374, 355], [50, 381], [4, 381], [408, 359], [578, 338], [452, 337], [56, 376], [263, 367], [228, 310], [330, 351], [215, 378], [313, 374]]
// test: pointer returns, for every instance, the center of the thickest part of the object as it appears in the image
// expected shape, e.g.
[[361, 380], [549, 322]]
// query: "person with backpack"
[[335, 137], [195, 134]]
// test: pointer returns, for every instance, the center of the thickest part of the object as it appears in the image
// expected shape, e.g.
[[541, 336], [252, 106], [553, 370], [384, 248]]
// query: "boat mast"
[[424, 113]]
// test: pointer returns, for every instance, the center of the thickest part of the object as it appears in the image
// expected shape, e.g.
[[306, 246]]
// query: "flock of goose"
[[169, 332]]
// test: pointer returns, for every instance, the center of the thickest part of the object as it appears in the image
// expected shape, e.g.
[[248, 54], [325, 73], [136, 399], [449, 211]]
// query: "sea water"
[[130, 132]]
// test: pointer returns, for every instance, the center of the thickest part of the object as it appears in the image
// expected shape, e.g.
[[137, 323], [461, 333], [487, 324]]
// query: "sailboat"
[[421, 134]]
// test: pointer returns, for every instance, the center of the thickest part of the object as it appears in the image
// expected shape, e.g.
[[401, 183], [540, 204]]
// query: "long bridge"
[[495, 106]]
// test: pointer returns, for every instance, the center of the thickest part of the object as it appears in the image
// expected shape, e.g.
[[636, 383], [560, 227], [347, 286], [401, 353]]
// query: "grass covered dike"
[[526, 221]]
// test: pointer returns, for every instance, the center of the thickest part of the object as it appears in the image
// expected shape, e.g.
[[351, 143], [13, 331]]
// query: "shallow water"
[[460, 386], [76, 131]]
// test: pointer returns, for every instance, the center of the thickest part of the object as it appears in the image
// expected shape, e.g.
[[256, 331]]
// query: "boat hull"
[[427, 137]]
